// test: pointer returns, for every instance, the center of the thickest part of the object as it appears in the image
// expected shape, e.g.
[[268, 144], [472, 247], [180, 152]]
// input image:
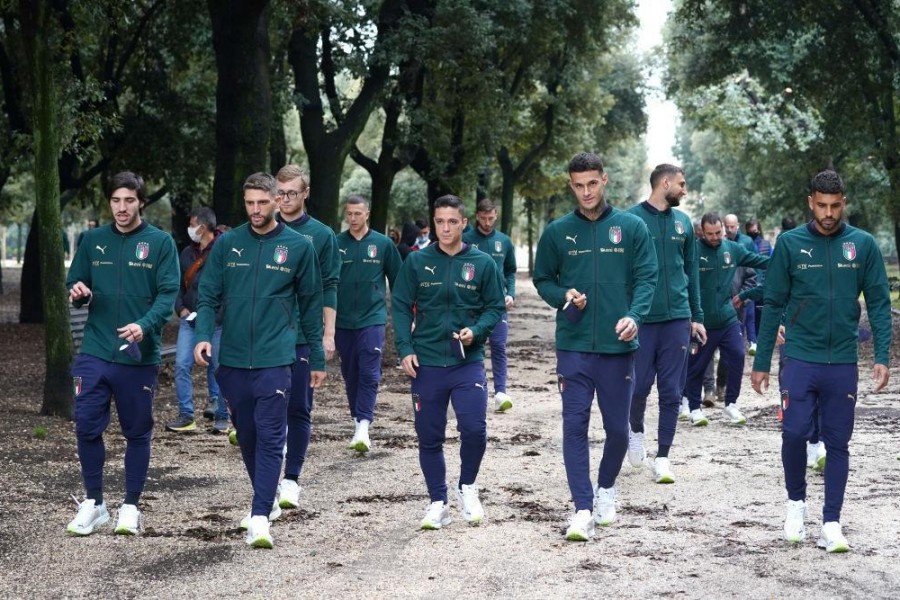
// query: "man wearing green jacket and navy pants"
[[262, 276], [369, 263], [597, 267], [457, 293], [814, 280]]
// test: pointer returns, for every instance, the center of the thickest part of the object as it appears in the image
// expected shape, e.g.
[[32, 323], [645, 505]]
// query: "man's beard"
[[673, 200]]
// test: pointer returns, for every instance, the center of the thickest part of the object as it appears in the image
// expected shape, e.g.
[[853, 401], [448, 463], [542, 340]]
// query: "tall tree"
[[243, 99], [40, 47]]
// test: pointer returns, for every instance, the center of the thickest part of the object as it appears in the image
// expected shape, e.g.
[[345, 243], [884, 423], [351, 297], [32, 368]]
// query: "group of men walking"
[[639, 300]]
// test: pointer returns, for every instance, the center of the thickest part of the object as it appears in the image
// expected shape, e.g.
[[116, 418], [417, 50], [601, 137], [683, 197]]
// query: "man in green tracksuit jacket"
[[675, 319], [127, 274], [719, 259], [498, 245], [293, 192], [369, 262], [457, 294], [597, 267], [814, 280], [262, 276]]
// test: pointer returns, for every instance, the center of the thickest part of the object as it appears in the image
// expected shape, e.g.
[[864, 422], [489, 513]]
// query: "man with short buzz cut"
[[497, 244], [261, 275], [457, 293], [202, 233], [292, 193], [674, 321], [718, 260], [815, 278], [368, 260], [127, 276], [597, 267]]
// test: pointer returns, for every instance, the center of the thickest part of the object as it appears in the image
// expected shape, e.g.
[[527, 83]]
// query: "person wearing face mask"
[[203, 233]]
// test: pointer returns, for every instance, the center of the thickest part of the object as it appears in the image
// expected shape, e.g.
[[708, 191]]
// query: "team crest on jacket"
[[727, 257], [281, 254], [679, 227], [498, 246], [372, 251], [849, 250], [76, 385], [468, 272], [142, 250], [615, 234]]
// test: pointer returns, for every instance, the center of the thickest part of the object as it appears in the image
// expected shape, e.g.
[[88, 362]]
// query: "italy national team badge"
[[142, 250], [727, 257], [76, 385], [372, 251], [849, 250], [679, 227], [615, 234], [498, 246], [281, 254], [468, 272]]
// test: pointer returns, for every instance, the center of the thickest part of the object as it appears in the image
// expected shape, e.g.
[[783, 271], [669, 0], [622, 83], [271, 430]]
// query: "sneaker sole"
[[360, 447], [288, 504], [834, 548], [665, 479], [262, 542], [125, 531], [190, 427], [504, 406], [702, 423], [738, 422], [605, 522], [232, 437], [433, 526], [577, 536], [795, 540], [820, 465], [683, 417]]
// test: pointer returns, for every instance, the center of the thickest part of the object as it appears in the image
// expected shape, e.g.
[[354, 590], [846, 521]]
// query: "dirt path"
[[715, 533]]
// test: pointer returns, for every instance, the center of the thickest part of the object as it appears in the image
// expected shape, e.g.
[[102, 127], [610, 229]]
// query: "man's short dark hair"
[[357, 199], [788, 223], [664, 170], [205, 216], [128, 180], [826, 182], [451, 201], [421, 223], [260, 181], [584, 162], [485, 205], [710, 218]]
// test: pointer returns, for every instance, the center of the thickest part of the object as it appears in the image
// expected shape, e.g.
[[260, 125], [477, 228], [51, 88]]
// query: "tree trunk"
[[243, 100], [529, 212], [57, 340], [31, 295], [507, 190]]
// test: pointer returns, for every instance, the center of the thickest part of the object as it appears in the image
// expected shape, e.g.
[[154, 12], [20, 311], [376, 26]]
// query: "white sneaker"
[[698, 419], [832, 539], [360, 441], [636, 453], [288, 495], [469, 503], [735, 416], [752, 350], [437, 515], [502, 402], [815, 456], [605, 506], [258, 534], [88, 517], [581, 527], [794, 522], [662, 471], [130, 520], [274, 515], [685, 413]]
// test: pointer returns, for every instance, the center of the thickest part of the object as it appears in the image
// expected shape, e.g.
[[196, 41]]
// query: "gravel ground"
[[715, 533]]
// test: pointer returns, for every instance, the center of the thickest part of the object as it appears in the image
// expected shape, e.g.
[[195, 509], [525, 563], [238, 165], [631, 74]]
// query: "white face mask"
[[192, 233]]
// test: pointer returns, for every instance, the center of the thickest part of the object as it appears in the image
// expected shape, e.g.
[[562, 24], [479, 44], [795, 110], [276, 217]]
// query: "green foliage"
[[39, 432]]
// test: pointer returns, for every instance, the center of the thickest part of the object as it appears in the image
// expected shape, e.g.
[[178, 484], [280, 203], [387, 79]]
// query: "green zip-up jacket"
[[815, 281], [261, 282], [133, 278], [498, 246], [717, 272], [612, 261], [449, 293], [323, 240], [365, 264], [678, 290]]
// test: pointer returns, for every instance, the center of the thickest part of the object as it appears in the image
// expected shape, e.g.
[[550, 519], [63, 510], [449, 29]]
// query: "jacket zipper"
[[253, 302]]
